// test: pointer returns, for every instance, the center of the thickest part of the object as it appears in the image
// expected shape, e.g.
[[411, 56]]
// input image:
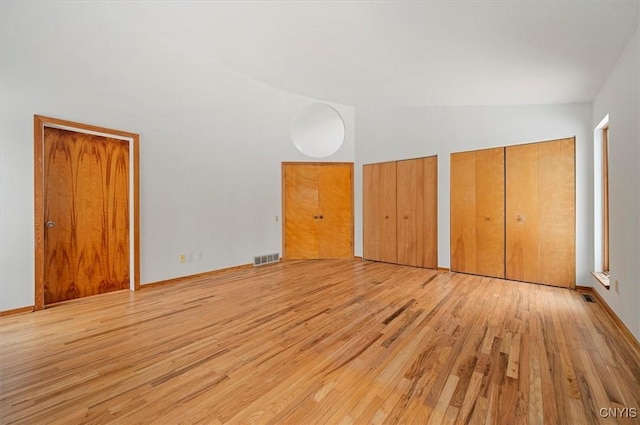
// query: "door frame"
[[39, 123], [283, 165]]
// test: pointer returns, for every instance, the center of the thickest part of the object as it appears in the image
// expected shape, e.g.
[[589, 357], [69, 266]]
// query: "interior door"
[[86, 210], [477, 212], [417, 211], [540, 211], [300, 211], [335, 213], [318, 210], [379, 212]]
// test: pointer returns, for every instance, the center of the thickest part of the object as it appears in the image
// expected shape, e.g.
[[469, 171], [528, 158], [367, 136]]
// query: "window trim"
[[601, 137]]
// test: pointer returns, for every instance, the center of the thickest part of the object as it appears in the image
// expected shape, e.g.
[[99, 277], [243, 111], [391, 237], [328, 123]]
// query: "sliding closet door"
[[417, 211], [379, 211], [477, 212], [540, 212]]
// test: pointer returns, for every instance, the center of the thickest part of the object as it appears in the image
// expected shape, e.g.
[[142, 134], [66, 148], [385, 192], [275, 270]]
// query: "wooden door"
[[86, 211], [318, 210], [417, 212], [540, 211], [477, 212], [300, 211], [379, 212], [335, 211]]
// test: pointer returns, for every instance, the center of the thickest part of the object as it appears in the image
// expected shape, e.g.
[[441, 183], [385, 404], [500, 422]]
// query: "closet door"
[[379, 212], [300, 186], [417, 212], [540, 238], [317, 210], [477, 212], [335, 211]]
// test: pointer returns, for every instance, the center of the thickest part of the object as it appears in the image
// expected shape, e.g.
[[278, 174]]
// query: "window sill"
[[602, 278]]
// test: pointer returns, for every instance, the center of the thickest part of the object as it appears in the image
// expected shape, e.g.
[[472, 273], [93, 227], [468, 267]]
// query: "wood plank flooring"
[[321, 342]]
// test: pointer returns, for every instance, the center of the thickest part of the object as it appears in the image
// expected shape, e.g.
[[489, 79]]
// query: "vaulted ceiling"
[[407, 53]]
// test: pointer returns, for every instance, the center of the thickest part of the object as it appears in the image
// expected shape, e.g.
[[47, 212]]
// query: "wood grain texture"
[[38, 206], [40, 123], [540, 211], [20, 310], [379, 213], [490, 200], [329, 341], [335, 209], [463, 212], [417, 211], [317, 210], [300, 211], [86, 194], [477, 212], [605, 199]]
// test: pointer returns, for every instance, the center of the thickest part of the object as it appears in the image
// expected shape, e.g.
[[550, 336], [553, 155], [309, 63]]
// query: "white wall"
[[384, 134], [211, 140], [620, 98]]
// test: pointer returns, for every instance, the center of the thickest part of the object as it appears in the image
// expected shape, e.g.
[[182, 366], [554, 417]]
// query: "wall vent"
[[266, 259]]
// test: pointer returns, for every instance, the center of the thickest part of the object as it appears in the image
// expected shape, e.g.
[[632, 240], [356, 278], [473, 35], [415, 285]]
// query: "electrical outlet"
[[277, 218], [189, 257], [617, 287], [182, 258], [198, 256]]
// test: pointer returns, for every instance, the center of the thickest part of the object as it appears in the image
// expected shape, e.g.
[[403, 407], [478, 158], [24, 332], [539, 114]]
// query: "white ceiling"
[[409, 52]]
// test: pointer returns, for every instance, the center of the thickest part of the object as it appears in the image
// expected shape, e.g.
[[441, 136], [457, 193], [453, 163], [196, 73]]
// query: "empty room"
[[320, 212]]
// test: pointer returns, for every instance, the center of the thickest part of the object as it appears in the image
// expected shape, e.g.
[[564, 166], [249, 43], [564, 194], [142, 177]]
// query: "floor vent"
[[588, 298], [261, 260]]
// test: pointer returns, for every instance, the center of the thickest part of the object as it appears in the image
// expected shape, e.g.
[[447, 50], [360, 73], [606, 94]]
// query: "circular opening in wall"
[[317, 130]]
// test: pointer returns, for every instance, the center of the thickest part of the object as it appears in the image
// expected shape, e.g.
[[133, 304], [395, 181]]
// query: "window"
[[605, 200], [601, 204]]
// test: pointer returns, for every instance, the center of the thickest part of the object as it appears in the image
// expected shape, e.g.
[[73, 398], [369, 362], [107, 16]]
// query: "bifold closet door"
[[317, 210], [477, 212], [379, 212], [540, 212], [417, 212]]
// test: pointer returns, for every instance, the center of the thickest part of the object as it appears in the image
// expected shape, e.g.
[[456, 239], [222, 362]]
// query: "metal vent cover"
[[261, 260]]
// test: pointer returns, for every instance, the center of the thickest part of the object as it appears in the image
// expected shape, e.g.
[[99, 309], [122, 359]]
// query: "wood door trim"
[[316, 163], [39, 123], [283, 165]]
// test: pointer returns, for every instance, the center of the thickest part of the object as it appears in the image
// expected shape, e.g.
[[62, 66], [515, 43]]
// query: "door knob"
[[315, 217], [51, 224], [321, 216]]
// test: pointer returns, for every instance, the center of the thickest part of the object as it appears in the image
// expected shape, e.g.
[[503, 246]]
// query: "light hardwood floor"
[[314, 342]]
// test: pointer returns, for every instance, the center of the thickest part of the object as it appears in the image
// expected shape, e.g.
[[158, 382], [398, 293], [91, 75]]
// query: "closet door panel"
[[300, 208], [335, 222], [430, 222], [490, 212], [523, 222], [379, 211], [477, 212], [410, 211], [557, 212], [463, 212], [540, 212], [417, 212]]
